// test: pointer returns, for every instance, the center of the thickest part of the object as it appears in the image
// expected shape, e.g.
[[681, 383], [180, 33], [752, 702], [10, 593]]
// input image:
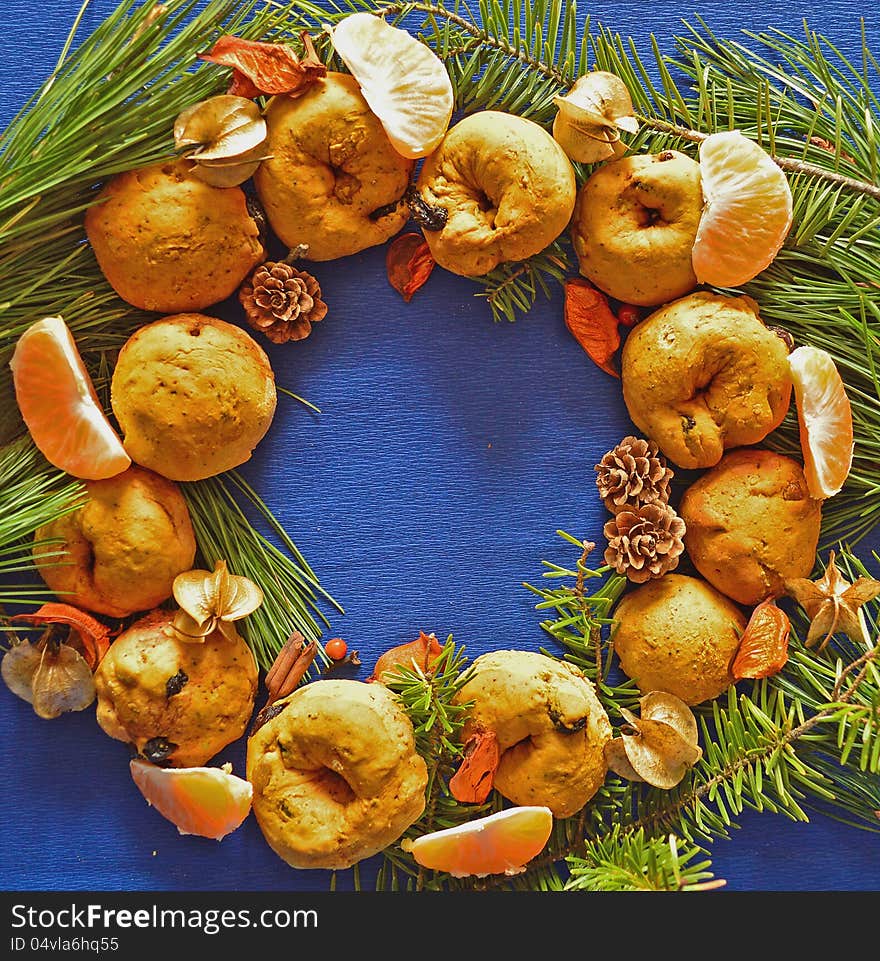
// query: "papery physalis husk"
[[54, 678], [662, 745], [210, 601], [590, 117], [226, 136], [833, 605]]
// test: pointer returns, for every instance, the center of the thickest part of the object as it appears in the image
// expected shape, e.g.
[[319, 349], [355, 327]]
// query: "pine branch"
[[109, 106]]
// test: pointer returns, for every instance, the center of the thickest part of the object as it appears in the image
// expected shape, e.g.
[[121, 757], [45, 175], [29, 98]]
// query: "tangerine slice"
[[825, 419], [403, 81], [206, 801], [501, 843], [59, 405], [747, 213]]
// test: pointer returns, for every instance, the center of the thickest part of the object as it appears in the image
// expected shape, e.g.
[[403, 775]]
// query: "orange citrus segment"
[[59, 405], [403, 81], [501, 843], [825, 419], [747, 212], [207, 801]]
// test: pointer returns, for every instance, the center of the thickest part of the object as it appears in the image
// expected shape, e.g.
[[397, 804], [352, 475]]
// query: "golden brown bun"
[[336, 775], [169, 242], [211, 708], [126, 545], [678, 634], [550, 725], [193, 396], [507, 187], [751, 524], [331, 168], [635, 224], [703, 374]]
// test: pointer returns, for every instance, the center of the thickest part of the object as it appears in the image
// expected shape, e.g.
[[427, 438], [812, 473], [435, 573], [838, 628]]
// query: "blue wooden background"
[[449, 451]]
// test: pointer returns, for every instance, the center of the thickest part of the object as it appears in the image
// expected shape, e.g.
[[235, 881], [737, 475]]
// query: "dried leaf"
[[592, 323], [420, 653], [409, 264], [271, 67], [763, 648], [86, 632], [53, 678], [834, 605], [473, 780]]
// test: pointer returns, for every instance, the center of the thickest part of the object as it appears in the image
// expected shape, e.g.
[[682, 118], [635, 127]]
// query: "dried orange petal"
[[763, 648], [472, 782], [592, 323]]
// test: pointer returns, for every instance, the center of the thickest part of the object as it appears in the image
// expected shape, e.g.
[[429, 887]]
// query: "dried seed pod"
[[54, 678], [660, 746], [591, 115]]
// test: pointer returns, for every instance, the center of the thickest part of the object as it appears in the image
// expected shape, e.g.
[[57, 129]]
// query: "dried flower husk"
[[87, 634], [53, 678], [590, 117], [210, 601], [834, 605], [420, 653], [660, 746], [227, 135]]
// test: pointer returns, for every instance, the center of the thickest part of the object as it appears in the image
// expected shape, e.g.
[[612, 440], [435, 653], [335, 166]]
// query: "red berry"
[[336, 649], [629, 315]]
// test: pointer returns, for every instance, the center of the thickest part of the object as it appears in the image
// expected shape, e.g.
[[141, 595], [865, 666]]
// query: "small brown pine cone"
[[645, 542], [632, 474], [282, 302]]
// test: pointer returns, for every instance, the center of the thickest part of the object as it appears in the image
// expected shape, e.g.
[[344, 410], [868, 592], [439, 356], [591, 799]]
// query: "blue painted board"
[[448, 452]]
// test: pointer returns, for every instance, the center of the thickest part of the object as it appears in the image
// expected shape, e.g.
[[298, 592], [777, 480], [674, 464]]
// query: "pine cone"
[[632, 474], [645, 542], [282, 302]]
